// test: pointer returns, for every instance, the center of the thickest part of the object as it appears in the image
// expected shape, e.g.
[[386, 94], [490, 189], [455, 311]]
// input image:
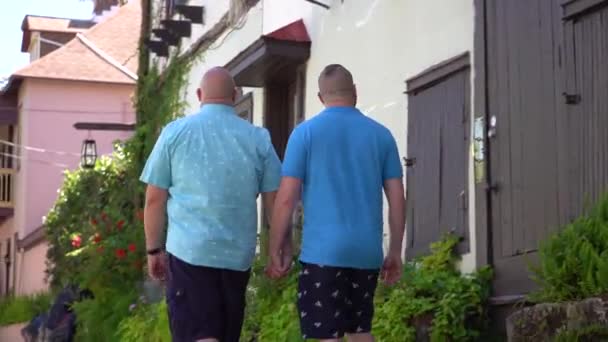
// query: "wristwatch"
[[154, 251]]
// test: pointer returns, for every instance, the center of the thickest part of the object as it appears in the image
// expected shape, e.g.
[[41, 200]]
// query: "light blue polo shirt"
[[214, 165], [343, 158]]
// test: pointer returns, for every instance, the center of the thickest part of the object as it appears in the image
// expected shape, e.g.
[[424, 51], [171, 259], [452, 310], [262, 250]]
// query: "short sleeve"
[[271, 177], [157, 170], [392, 164], [294, 162]]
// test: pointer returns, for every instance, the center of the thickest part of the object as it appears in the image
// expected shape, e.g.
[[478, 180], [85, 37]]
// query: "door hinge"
[[409, 162], [572, 99]]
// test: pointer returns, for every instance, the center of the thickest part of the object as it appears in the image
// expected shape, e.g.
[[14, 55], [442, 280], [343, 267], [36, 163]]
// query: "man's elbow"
[[156, 197]]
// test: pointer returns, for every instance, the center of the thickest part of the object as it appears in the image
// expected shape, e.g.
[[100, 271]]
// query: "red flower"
[[140, 215], [120, 224], [93, 222], [104, 216], [97, 238], [132, 247], [76, 241], [121, 253], [100, 249]]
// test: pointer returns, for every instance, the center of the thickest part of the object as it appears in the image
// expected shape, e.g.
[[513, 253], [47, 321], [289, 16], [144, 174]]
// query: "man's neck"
[[226, 102], [339, 104]]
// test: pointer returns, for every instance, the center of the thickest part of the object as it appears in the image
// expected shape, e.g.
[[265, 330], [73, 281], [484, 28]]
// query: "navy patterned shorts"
[[205, 302], [334, 301]]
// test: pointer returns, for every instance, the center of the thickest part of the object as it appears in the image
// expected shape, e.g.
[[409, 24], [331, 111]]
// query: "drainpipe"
[[19, 264]]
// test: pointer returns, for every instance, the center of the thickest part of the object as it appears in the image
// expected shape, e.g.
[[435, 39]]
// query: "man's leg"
[[360, 301], [321, 302], [234, 288], [360, 338], [194, 302]]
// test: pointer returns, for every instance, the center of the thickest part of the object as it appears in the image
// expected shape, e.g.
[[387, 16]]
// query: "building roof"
[[35, 23], [107, 52]]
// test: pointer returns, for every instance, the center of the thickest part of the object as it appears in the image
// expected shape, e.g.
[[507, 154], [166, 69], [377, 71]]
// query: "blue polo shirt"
[[343, 158], [214, 165]]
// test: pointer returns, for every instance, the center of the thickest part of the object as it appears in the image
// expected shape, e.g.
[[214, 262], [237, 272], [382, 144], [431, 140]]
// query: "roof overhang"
[[33, 239], [272, 58]]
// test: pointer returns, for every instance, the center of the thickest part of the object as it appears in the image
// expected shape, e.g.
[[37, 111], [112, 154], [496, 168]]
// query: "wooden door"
[[523, 85], [586, 122], [438, 112]]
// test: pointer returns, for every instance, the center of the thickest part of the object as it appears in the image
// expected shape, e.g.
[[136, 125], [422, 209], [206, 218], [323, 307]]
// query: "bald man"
[[204, 174], [341, 160]]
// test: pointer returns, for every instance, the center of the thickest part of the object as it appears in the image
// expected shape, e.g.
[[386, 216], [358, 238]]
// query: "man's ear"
[[199, 94], [320, 98]]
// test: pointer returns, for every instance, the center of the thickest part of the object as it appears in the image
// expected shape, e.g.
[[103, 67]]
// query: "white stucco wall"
[[383, 43]]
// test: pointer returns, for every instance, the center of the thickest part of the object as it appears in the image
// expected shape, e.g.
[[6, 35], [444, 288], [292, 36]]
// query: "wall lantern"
[[88, 155]]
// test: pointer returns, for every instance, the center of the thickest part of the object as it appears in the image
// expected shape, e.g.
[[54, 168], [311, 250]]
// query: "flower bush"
[[95, 230]]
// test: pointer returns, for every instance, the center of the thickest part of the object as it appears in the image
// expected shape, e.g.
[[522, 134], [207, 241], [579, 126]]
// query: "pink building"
[[81, 71]]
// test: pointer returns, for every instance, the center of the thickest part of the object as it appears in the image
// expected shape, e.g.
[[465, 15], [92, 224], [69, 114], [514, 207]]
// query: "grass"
[[20, 309]]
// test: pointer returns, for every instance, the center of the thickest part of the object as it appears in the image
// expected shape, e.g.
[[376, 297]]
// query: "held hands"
[[279, 262]]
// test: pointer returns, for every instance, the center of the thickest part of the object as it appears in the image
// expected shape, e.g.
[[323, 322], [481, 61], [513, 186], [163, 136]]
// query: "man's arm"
[[268, 202], [155, 216], [284, 205], [396, 213]]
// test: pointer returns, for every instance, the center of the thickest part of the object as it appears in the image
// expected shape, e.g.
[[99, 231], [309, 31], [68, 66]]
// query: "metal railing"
[[6, 187], [7, 176]]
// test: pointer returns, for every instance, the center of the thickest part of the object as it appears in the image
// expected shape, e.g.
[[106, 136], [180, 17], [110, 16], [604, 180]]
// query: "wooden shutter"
[[438, 140]]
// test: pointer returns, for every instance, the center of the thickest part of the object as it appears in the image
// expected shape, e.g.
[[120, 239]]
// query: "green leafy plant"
[[590, 333], [149, 322], [435, 299], [23, 308], [98, 319], [573, 263]]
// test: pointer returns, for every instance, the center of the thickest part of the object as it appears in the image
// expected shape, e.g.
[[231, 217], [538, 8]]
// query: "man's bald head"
[[217, 86], [336, 86]]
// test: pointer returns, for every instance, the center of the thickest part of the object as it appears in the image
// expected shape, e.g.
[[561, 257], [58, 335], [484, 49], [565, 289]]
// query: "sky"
[[12, 15]]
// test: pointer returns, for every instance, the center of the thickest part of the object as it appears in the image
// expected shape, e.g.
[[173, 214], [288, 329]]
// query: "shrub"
[[573, 263], [433, 292], [22, 309], [148, 323]]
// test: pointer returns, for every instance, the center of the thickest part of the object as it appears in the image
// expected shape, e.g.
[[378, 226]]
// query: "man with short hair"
[[205, 173], [340, 160]]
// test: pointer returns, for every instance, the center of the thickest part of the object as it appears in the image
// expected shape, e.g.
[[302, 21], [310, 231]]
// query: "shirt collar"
[[216, 107]]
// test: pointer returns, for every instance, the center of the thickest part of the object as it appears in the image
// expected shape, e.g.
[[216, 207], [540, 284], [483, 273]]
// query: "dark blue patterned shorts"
[[205, 302], [334, 301]]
